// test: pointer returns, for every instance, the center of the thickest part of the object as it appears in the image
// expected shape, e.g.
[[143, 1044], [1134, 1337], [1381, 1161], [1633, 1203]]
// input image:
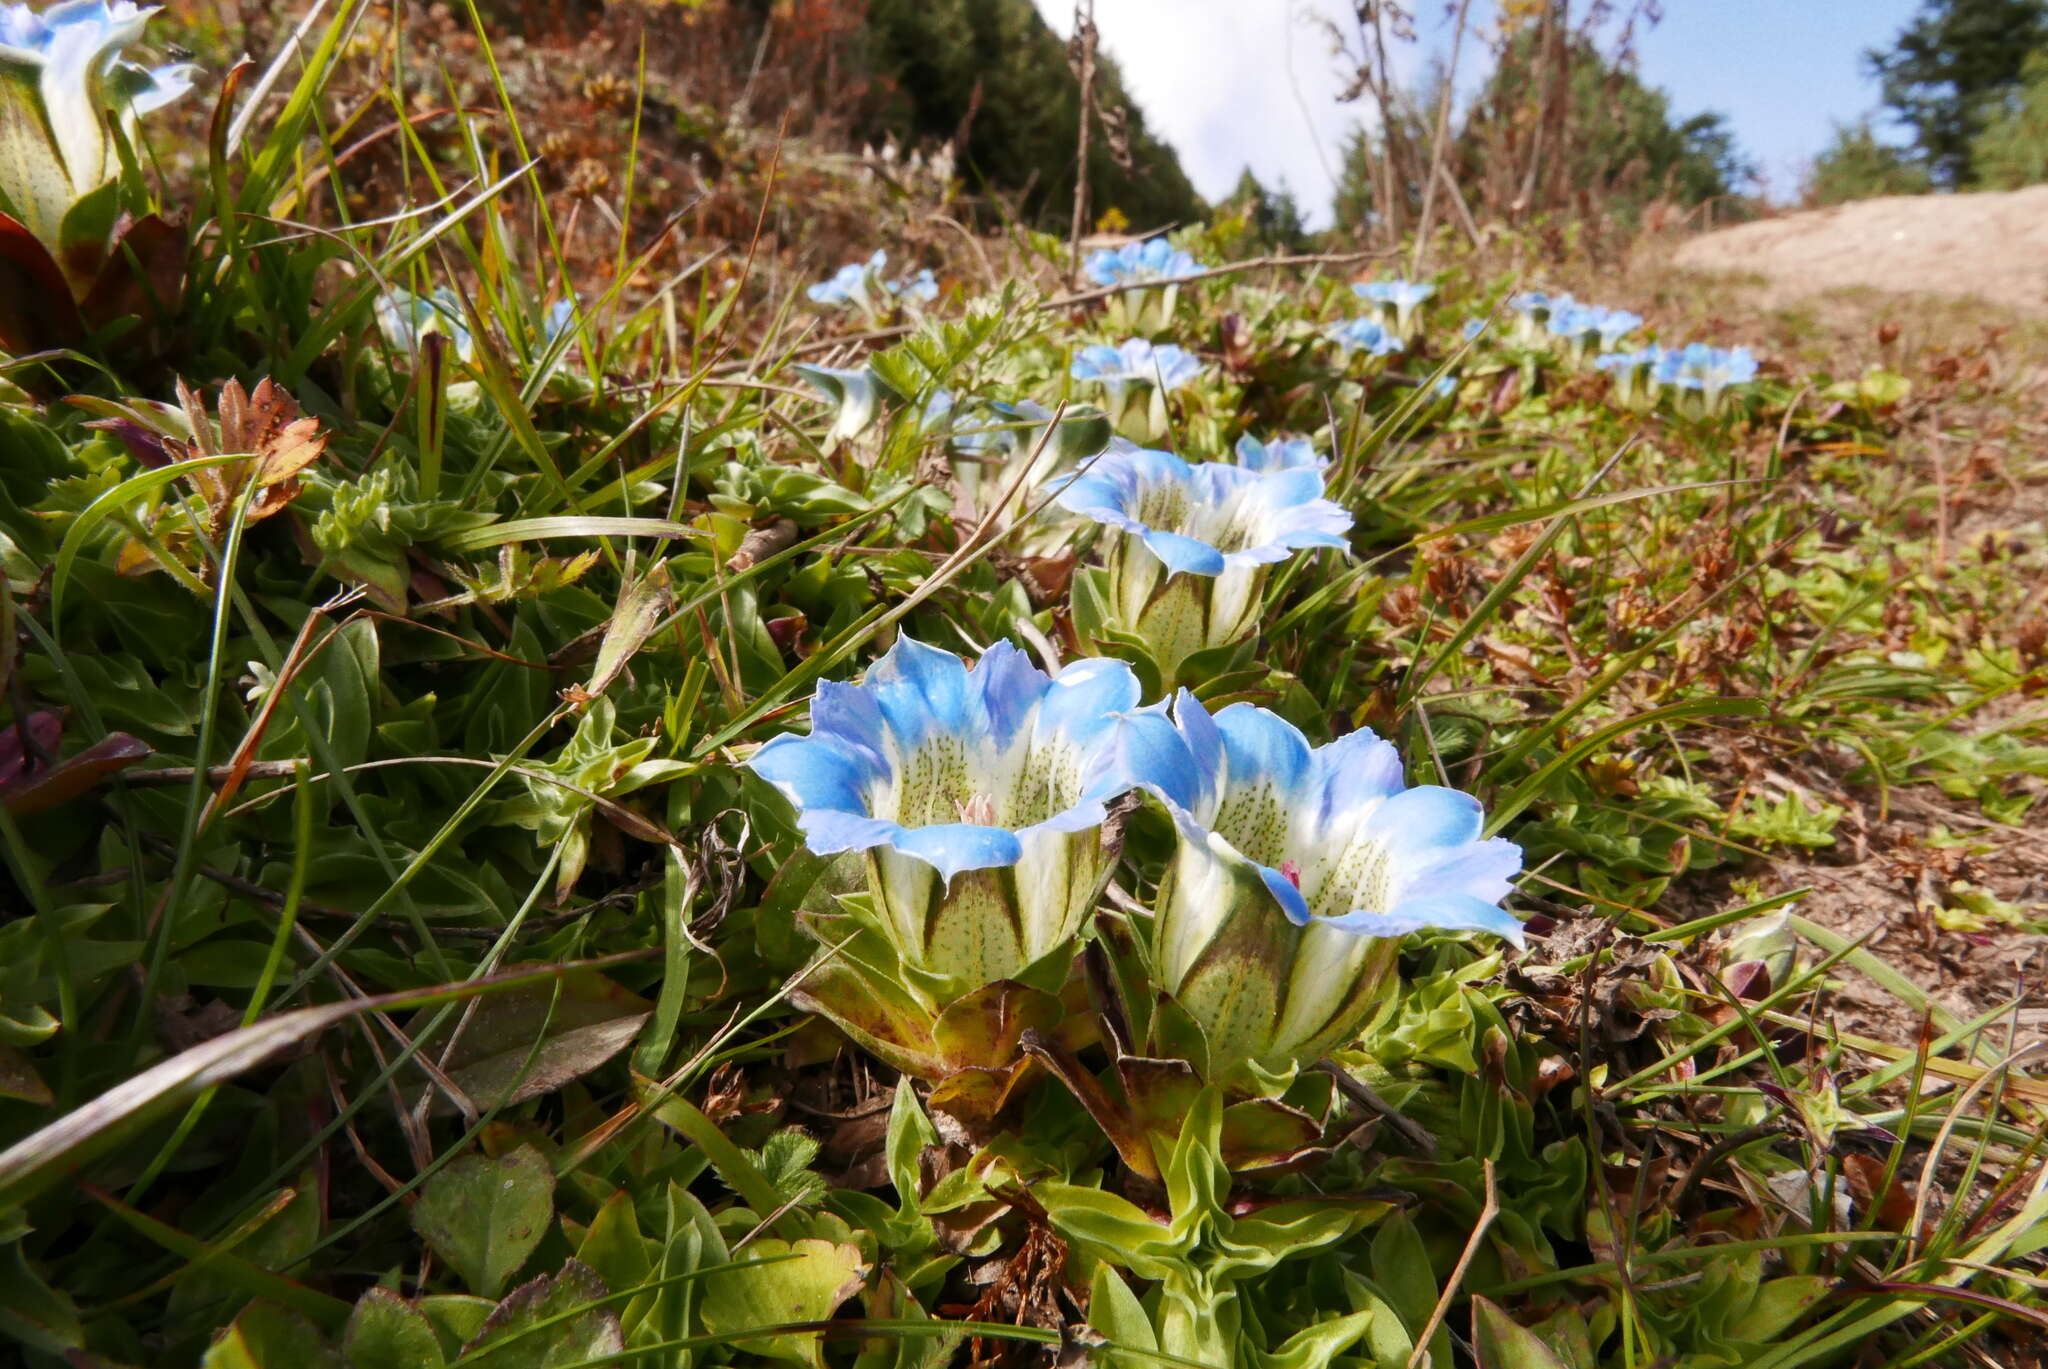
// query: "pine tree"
[[1949, 71], [1856, 165]]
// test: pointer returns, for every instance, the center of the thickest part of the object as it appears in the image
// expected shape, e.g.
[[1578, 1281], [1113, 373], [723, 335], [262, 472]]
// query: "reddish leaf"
[[37, 312], [143, 277], [45, 729], [68, 779]]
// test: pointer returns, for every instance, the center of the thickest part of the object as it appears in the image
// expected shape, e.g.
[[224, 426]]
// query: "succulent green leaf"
[[551, 1323], [753, 1298], [484, 1216], [387, 1332]]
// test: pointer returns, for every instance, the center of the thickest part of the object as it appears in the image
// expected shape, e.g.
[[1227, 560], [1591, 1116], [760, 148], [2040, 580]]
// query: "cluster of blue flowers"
[[1136, 377], [1699, 375], [1135, 262], [977, 796], [1398, 301], [1580, 328], [1366, 335], [1396, 307], [863, 285]]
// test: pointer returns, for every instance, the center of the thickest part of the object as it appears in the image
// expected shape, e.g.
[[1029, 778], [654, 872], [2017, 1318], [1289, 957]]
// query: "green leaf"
[[532, 1040], [89, 222], [1779, 1303], [1880, 388], [1501, 1344], [1401, 1273], [1115, 1312], [1110, 1228], [563, 525], [31, 1312], [550, 1323], [267, 1336], [456, 1319], [387, 1332], [485, 1216], [613, 1247], [756, 1297], [1314, 1347], [910, 1131]]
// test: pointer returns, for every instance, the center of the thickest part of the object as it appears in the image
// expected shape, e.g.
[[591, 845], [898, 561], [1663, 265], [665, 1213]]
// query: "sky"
[[1237, 83]]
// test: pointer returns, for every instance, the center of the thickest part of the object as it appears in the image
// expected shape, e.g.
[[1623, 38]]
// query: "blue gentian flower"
[[988, 471], [976, 795], [1571, 320], [855, 395], [1136, 361], [856, 283], [1153, 259], [1707, 371], [1155, 262], [403, 318], [1282, 453], [1616, 324], [861, 285], [1532, 310], [1193, 544], [1583, 327], [1636, 375], [922, 287], [560, 318], [1297, 872], [1136, 377], [1398, 299], [64, 86], [1365, 335]]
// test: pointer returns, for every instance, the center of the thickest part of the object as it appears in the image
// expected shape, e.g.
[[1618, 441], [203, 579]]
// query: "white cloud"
[[1231, 84]]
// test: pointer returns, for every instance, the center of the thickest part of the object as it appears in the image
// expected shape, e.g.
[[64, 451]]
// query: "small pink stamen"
[[979, 809], [1292, 871]]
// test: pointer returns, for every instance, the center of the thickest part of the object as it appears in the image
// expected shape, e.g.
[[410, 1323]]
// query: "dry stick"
[[1940, 506], [1358, 1091], [1084, 39], [1420, 1355], [1436, 149], [1458, 199]]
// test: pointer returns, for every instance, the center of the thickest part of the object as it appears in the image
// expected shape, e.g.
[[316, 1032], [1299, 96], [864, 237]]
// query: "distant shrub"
[[1857, 166], [2012, 151]]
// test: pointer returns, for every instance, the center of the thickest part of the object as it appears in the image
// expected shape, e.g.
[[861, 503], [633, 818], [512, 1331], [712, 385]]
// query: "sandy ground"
[[1993, 245]]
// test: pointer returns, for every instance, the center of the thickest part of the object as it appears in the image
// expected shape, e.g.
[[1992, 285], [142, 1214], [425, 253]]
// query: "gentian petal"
[[816, 774], [1182, 554], [921, 690], [951, 848], [1356, 771], [1084, 699], [1007, 688], [1425, 816], [1436, 912]]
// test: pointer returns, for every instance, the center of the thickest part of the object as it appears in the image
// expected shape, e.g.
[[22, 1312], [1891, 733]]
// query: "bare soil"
[[1993, 245]]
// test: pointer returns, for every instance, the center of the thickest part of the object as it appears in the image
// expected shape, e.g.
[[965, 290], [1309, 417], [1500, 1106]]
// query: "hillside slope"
[[1993, 244]]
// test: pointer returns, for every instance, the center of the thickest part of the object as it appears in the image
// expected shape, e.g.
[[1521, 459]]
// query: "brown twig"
[[1414, 1133], [1420, 1355], [1081, 55]]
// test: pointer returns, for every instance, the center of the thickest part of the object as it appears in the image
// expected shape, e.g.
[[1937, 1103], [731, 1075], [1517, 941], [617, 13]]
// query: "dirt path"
[[1993, 245]]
